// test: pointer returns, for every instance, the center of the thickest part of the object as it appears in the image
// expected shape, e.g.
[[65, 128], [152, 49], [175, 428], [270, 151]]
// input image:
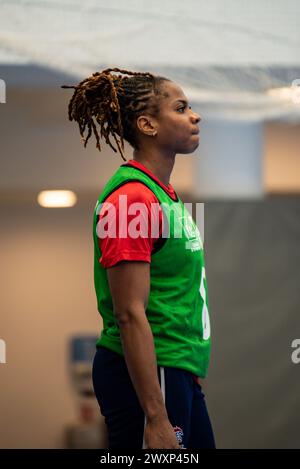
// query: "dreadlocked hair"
[[114, 102]]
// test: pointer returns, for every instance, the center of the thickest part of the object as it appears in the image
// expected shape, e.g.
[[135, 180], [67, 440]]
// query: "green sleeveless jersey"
[[178, 305]]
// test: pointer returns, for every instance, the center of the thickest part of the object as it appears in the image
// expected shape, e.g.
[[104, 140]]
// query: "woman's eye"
[[183, 108]]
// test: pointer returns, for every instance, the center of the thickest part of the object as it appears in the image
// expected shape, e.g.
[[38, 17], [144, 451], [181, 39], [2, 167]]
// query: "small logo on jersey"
[[179, 435], [194, 242]]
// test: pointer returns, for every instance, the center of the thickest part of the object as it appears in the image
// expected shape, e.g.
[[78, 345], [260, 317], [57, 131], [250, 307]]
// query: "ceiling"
[[226, 55]]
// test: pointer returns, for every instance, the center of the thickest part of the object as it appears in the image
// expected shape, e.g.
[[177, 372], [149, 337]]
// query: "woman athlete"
[[150, 282]]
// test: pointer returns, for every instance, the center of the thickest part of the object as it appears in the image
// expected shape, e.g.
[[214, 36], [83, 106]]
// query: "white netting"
[[226, 54]]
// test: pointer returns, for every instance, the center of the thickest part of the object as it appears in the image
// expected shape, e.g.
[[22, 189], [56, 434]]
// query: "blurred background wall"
[[46, 297], [246, 171]]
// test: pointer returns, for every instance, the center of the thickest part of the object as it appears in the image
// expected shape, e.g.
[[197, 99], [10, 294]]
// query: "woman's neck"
[[162, 168]]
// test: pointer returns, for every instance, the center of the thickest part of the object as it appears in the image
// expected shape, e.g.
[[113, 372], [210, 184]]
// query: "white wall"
[[231, 160]]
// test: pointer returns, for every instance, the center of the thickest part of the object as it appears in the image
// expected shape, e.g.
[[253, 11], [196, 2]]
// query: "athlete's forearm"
[[139, 351]]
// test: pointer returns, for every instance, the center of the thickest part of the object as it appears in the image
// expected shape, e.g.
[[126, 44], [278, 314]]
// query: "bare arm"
[[130, 285]]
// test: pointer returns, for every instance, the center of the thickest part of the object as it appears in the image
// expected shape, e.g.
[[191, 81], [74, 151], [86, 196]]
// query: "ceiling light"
[[57, 198]]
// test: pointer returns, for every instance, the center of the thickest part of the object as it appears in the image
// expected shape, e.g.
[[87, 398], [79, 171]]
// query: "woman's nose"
[[197, 118]]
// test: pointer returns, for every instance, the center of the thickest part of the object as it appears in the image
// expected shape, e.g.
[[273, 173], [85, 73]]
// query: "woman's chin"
[[196, 144]]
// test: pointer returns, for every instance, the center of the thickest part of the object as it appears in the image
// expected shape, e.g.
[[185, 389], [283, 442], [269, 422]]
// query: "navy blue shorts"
[[124, 416]]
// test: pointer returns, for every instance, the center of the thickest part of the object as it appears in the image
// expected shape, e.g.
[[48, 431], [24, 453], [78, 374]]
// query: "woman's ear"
[[146, 126]]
